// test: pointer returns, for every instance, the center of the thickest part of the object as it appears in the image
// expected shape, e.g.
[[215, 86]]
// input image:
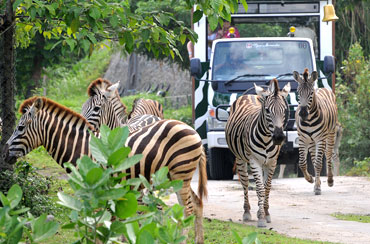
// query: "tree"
[[83, 25]]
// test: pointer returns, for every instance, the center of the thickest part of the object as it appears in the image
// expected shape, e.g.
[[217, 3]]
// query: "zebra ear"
[[285, 91], [111, 91], [37, 104], [260, 91], [314, 76], [297, 77]]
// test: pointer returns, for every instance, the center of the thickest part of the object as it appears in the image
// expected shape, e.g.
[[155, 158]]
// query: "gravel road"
[[295, 210]]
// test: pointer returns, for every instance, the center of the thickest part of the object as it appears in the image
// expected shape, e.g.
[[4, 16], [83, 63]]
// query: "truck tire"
[[221, 162], [311, 169]]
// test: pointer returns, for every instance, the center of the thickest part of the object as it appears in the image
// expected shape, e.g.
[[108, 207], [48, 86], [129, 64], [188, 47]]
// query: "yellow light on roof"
[[292, 29], [231, 30]]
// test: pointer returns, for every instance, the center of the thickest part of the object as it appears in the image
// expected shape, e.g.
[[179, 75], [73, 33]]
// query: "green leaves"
[[43, 229], [127, 207], [250, 239], [69, 202]]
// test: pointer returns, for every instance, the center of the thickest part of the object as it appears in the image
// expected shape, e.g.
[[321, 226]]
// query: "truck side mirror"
[[195, 68], [329, 65]]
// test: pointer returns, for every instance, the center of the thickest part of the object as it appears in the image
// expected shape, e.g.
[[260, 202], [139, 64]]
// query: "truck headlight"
[[212, 122]]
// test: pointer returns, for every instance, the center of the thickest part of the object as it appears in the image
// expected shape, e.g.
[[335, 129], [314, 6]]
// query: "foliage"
[[361, 168], [353, 217], [250, 239], [35, 188], [14, 228], [351, 27], [353, 100], [104, 207]]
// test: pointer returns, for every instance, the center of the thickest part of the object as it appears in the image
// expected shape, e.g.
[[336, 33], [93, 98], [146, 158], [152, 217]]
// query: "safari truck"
[[276, 38]]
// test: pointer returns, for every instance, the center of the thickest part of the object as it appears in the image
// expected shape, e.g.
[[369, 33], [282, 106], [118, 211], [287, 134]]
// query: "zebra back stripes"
[[65, 135], [316, 119], [143, 106], [254, 134]]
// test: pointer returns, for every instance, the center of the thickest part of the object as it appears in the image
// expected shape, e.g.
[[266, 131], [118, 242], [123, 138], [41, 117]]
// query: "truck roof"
[[263, 39]]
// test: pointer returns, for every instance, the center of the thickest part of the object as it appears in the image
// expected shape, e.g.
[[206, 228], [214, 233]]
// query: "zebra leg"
[[257, 174], [244, 180], [269, 172], [303, 162], [198, 212], [329, 157], [317, 162], [185, 199]]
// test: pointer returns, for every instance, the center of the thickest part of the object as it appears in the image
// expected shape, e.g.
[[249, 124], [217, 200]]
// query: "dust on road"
[[295, 210]]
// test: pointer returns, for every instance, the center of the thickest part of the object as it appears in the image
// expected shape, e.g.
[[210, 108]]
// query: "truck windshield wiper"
[[245, 75], [286, 74]]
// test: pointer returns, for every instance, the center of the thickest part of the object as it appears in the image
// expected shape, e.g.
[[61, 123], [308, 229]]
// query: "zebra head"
[[306, 91], [26, 135], [275, 109], [99, 109]]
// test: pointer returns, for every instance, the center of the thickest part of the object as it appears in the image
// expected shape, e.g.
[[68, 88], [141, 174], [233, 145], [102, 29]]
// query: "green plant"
[[250, 239], [35, 188], [361, 168], [105, 206], [353, 217], [353, 101], [12, 226]]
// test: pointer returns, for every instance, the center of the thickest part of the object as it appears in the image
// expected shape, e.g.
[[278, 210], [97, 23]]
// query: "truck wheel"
[[221, 162]]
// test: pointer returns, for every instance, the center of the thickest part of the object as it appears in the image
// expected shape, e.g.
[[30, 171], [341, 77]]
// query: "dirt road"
[[295, 210]]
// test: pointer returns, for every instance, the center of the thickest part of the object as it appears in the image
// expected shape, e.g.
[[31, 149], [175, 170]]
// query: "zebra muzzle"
[[303, 113], [278, 137], [7, 157]]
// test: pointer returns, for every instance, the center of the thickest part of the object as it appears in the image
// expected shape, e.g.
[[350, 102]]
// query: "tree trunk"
[[37, 69], [7, 76]]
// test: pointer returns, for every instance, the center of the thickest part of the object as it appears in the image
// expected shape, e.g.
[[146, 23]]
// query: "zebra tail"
[[202, 183]]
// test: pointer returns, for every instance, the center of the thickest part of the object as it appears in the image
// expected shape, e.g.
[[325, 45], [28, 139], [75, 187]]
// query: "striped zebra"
[[316, 119], [143, 106], [254, 134], [98, 90], [103, 107], [65, 135]]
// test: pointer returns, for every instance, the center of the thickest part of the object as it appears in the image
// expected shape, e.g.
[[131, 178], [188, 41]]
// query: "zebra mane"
[[98, 85], [276, 86], [50, 103], [305, 75], [134, 104]]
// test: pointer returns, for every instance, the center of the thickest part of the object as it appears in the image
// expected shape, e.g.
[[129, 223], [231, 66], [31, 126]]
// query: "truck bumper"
[[217, 139]]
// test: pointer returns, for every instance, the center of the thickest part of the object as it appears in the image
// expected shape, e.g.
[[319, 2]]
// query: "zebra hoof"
[[317, 191], [268, 218], [261, 223], [247, 216], [330, 182], [310, 179]]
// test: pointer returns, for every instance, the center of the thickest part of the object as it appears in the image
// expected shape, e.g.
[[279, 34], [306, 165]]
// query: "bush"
[[353, 99], [361, 168], [35, 188]]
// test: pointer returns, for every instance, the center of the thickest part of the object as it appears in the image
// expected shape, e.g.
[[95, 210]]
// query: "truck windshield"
[[273, 58]]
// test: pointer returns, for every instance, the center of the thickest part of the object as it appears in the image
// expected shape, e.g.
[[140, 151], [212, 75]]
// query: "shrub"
[[361, 168], [104, 207], [353, 99], [35, 188]]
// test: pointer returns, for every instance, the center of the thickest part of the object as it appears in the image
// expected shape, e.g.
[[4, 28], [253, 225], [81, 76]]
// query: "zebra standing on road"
[[316, 119], [254, 134], [65, 135]]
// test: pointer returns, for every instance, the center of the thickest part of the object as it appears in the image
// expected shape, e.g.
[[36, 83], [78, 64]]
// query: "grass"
[[353, 217]]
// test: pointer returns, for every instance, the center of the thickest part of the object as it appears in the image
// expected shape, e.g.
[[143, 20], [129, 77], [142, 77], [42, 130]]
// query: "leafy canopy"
[[83, 25]]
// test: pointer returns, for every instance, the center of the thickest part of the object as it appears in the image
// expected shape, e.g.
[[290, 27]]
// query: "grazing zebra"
[[98, 90], [65, 135], [143, 106], [254, 134], [316, 119]]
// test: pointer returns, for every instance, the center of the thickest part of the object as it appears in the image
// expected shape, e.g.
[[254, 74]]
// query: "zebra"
[[254, 134], [316, 118], [103, 107], [143, 106], [98, 89], [65, 135]]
